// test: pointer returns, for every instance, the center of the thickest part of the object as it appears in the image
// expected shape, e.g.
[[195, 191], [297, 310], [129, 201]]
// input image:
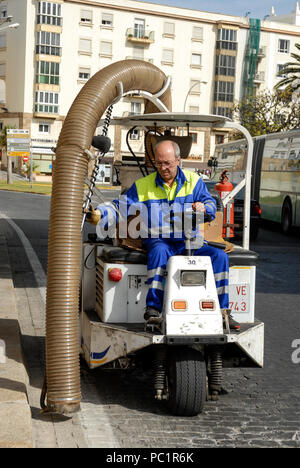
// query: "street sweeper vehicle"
[[193, 343]]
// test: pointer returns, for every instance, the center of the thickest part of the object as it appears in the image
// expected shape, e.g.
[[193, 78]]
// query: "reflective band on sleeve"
[[222, 290], [156, 271], [224, 275], [156, 285]]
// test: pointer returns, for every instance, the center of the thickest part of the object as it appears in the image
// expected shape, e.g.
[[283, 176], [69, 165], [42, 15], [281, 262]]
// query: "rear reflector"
[[115, 274], [179, 305], [207, 305]]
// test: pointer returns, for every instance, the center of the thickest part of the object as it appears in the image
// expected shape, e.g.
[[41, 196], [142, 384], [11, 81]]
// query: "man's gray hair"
[[175, 146]]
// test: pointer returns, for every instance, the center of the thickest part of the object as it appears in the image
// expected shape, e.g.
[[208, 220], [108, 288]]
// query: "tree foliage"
[[290, 73], [268, 112], [3, 136]]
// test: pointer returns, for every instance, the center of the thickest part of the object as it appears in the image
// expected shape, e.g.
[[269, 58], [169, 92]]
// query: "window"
[[2, 41], [194, 109], [224, 91], [138, 53], [280, 67], [106, 48], [48, 43], [47, 72], [219, 139], [196, 60], [194, 136], [46, 102], [197, 33], [44, 127], [283, 46], [3, 10], [168, 56], [49, 13], [139, 28], [84, 73], [194, 87], [169, 29], [136, 108], [225, 65], [227, 39], [86, 16], [135, 135], [223, 111], [85, 46], [107, 19]]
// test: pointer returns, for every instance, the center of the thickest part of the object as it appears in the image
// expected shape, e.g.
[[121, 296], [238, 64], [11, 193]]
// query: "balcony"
[[261, 53], [259, 77], [140, 36]]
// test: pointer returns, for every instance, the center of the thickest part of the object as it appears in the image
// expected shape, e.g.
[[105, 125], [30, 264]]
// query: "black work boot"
[[152, 315], [228, 319]]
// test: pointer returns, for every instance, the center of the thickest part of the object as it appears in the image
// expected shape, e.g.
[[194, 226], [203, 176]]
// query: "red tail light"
[[115, 274], [257, 210], [207, 305]]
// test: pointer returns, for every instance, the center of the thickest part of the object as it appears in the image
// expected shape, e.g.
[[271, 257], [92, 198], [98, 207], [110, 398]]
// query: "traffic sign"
[[18, 142], [25, 158]]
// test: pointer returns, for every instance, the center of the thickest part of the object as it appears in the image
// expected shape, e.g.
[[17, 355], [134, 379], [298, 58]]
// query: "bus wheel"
[[186, 382], [286, 217]]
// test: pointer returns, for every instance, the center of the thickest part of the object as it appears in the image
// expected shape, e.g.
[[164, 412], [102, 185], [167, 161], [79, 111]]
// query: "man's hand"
[[199, 207], [93, 216]]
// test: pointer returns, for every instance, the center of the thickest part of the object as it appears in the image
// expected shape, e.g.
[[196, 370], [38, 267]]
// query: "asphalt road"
[[262, 406]]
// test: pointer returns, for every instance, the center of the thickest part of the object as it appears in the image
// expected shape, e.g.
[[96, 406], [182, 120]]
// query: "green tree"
[[291, 74], [268, 112]]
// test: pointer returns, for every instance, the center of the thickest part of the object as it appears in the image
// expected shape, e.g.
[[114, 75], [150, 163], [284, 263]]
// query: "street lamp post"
[[192, 87], [6, 23]]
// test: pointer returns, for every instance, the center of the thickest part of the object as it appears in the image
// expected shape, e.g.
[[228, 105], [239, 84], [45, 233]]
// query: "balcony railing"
[[259, 77], [140, 35]]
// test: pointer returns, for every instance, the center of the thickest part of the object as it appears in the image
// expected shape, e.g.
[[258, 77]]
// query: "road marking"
[[36, 266]]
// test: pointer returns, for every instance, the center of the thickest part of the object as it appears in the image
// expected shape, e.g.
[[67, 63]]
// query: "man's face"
[[165, 161]]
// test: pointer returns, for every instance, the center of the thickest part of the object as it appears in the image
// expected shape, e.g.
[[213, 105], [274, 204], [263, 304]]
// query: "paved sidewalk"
[[15, 415]]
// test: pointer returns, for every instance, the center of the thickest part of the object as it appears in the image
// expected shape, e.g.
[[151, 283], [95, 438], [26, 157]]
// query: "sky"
[[257, 8]]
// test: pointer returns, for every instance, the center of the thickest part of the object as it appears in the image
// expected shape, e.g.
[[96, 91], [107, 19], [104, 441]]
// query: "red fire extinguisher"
[[224, 187]]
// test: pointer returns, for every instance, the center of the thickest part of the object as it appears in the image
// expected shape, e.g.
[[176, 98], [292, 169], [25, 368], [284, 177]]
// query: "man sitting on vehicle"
[[172, 187]]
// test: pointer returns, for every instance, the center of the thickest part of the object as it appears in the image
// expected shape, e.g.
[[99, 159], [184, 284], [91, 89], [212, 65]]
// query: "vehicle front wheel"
[[186, 382]]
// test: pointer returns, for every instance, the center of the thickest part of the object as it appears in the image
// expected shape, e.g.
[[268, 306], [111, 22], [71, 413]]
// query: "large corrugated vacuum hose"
[[64, 247]]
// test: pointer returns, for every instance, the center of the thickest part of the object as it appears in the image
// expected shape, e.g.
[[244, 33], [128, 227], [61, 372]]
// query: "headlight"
[[193, 278]]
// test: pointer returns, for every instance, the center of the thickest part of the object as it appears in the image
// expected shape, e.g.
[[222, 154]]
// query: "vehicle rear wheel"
[[186, 379], [286, 217]]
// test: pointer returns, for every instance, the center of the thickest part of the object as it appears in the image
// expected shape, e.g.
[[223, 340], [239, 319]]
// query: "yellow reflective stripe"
[[147, 190], [190, 184], [171, 191]]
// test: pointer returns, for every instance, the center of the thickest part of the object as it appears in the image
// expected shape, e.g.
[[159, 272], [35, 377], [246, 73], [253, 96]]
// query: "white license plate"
[[239, 298]]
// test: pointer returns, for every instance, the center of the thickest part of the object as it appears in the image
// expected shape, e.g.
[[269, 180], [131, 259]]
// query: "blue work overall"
[[151, 197]]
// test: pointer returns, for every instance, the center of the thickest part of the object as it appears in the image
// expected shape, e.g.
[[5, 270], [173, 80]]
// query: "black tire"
[[286, 217], [186, 377]]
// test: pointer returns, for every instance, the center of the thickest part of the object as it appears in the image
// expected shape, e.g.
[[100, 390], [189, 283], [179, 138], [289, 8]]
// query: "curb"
[[15, 414]]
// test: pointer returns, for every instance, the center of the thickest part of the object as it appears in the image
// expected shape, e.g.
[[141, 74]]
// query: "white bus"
[[275, 173]]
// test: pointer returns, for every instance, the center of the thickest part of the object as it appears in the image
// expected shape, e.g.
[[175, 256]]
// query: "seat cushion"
[[120, 255], [242, 257]]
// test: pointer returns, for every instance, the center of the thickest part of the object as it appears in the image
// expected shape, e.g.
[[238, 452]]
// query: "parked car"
[[255, 213]]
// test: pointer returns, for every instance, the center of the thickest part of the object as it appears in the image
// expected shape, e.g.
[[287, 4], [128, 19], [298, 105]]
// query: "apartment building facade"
[[60, 44]]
